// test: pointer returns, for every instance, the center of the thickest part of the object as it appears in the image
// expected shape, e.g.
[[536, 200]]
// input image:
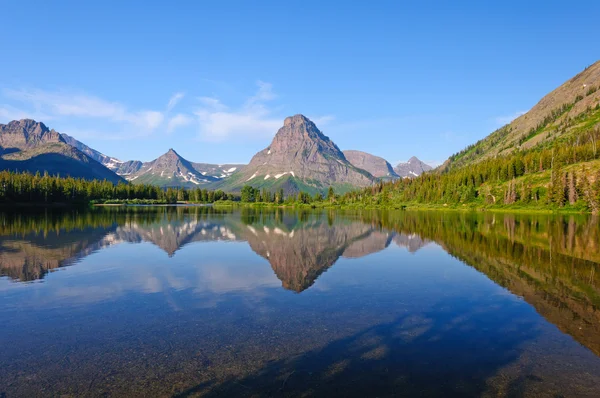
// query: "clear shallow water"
[[204, 302]]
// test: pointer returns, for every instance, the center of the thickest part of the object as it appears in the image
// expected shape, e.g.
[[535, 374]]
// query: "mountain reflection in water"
[[549, 261], [299, 246]]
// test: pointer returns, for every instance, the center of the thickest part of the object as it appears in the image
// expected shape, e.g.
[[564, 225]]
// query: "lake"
[[201, 301]]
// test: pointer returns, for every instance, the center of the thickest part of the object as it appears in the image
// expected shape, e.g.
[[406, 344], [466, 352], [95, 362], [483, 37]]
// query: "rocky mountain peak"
[[299, 136], [413, 168], [29, 126], [300, 155], [169, 169], [296, 119], [26, 133]]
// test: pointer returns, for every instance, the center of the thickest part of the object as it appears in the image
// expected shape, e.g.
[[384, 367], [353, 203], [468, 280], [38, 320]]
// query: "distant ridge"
[[377, 166], [413, 168]]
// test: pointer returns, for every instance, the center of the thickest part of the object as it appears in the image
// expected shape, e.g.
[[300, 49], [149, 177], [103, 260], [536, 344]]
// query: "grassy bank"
[[532, 209]]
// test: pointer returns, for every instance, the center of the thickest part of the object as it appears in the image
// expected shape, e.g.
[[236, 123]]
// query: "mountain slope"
[[378, 167], [558, 115], [300, 157], [131, 167], [57, 159], [169, 170], [30, 146], [413, 168], [119, 167], [92, 153], [218, 171]]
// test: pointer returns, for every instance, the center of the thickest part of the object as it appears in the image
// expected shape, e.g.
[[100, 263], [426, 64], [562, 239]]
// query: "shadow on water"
[[435, 353]]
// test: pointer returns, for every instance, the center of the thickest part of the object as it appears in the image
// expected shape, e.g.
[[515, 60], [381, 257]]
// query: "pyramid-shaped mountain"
[[413, 168], [169, 170], [300, 158]]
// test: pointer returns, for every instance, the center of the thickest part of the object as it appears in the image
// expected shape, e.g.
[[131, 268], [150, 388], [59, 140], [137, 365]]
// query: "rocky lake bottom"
[[201, 301]]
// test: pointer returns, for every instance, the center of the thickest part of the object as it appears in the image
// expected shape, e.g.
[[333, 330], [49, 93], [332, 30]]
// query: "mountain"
[[92, 153], [133, 168], [30, 146], [26, 134], [219, 171], [413, 168], [119, 167], [561, 114], [124, 169], [378, 167], [300, 158], [169, 170]]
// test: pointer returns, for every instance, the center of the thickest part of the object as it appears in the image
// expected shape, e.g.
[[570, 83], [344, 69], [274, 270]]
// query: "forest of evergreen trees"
[[555, 174], [563, 172], [46, 189]]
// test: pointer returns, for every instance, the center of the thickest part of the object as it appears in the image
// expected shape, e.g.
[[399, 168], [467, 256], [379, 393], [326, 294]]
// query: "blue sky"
[[214, 80]]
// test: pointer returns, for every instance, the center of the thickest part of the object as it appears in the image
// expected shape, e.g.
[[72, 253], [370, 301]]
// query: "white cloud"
[[322, 120], [502, 120], [253, 119], [62, 103], [264, 93], [212, 103], [179, 120], [8, 113], [174, 100]]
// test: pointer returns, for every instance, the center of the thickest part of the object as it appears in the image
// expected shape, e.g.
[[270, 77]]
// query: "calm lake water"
[[196, 301]]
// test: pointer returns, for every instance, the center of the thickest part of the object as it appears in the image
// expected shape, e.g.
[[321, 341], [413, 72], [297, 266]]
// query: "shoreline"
[[314, 206]]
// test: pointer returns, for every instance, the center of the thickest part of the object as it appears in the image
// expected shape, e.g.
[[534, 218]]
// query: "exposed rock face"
[[30, 146], [26, 134], [378, 167], [119, 167], [169, 170], [302, 153], [92, 153], [124, 169], [413, 168]]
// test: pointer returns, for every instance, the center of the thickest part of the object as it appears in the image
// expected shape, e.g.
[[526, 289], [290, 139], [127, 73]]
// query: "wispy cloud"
[[9, 112], [502, 120], [254, 119], [177, 121], [212, 103], [62, 103], [322, 120], [174, 100]]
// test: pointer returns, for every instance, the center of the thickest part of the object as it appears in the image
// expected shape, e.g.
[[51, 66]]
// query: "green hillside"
[[559, 117], [547, 158]]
